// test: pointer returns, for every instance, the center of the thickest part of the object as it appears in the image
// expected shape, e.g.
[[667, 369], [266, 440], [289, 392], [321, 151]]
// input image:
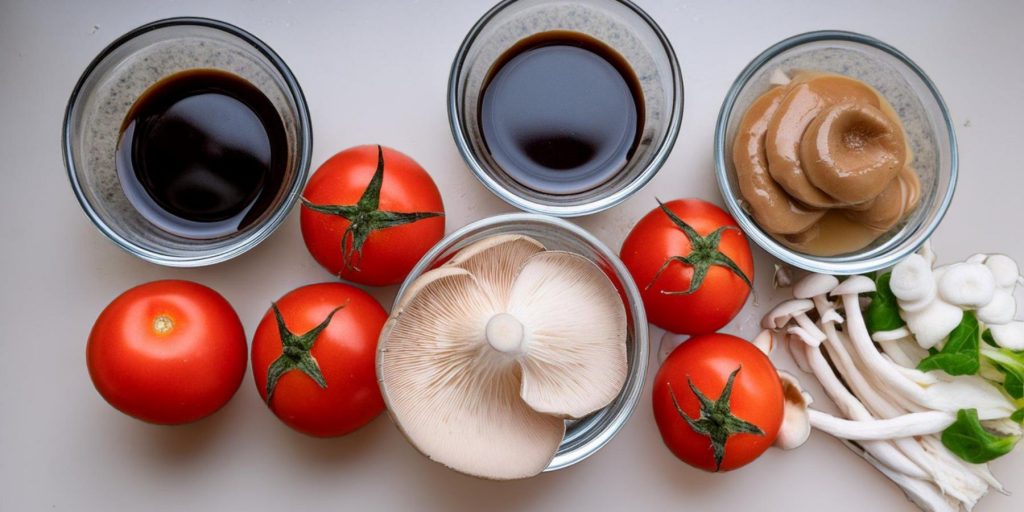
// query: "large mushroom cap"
[[479, 364], [574, 359]]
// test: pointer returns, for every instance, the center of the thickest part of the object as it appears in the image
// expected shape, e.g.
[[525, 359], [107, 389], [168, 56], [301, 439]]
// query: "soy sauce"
[[202, 154], [561, 112]]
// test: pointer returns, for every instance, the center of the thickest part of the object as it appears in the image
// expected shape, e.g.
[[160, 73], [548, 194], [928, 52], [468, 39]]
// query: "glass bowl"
[[118, 76], [618, 23], [914, 97], [587, 435]]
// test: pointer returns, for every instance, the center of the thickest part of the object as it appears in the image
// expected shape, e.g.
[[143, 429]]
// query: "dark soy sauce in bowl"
[[561, 112], [202, 154]]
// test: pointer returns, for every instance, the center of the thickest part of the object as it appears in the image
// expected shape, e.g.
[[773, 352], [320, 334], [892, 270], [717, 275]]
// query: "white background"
[[376, 72]]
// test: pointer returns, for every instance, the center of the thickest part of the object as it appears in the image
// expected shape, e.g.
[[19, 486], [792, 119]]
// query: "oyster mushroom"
[[485, 356]]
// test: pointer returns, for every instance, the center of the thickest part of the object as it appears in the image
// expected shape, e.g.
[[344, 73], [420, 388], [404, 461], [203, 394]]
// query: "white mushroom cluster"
[[932, 300], [485, 357], [891, 413]]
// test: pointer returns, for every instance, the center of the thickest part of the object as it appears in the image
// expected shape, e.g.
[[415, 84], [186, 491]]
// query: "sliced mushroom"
[[480, 366], [805, 99], [900, 197], [851, 151], [769, 204]]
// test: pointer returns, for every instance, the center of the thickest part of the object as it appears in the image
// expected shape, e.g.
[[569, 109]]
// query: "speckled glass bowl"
[[585, 436], [111, 84], [913, 96], [618, 23]]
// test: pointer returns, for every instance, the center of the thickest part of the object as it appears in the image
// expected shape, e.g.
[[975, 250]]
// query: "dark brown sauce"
[[561, 112], [202, 154]]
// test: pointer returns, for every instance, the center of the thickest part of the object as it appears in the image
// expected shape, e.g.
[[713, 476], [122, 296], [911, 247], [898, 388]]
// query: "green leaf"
[[1018, 415], [960, 354], [883, 313], [1011, 365], [969, 440]]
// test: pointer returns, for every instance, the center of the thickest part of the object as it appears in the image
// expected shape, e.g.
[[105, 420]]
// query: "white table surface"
[[374, 72]]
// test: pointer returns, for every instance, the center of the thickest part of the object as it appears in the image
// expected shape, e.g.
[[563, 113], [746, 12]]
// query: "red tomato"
[[358, 238], [755, 403], [167, 352], [653, 253], [327, 383]]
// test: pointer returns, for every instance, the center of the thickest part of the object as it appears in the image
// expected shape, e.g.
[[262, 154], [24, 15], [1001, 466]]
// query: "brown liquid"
[[202, 154], [561, 112]]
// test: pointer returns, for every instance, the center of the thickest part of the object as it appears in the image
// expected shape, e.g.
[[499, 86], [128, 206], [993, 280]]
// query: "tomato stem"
[[704, 253], [365, 216], [716, 420], [296, 352]]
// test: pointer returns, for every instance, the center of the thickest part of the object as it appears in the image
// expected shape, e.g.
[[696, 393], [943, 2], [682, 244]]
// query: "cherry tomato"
[[167, 352], [321, 378], [692, 264], [743, 423], [369, 213]]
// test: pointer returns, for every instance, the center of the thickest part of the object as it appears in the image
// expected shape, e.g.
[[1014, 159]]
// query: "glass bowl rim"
[[831, 265], [242, 244], [590, 207], [636, 381]]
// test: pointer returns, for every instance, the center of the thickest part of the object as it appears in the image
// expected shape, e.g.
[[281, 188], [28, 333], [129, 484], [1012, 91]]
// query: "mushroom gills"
[[484, 357]]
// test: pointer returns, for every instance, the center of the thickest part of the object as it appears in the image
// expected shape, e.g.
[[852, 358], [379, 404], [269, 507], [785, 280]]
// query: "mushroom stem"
[[923, 494], [765, 341], [883, 451], [908, 425], [505, 334], [904, 455], [950, 397]]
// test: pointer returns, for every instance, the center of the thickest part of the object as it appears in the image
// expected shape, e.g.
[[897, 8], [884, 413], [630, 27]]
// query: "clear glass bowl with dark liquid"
[[187, 141], [565, 107]]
